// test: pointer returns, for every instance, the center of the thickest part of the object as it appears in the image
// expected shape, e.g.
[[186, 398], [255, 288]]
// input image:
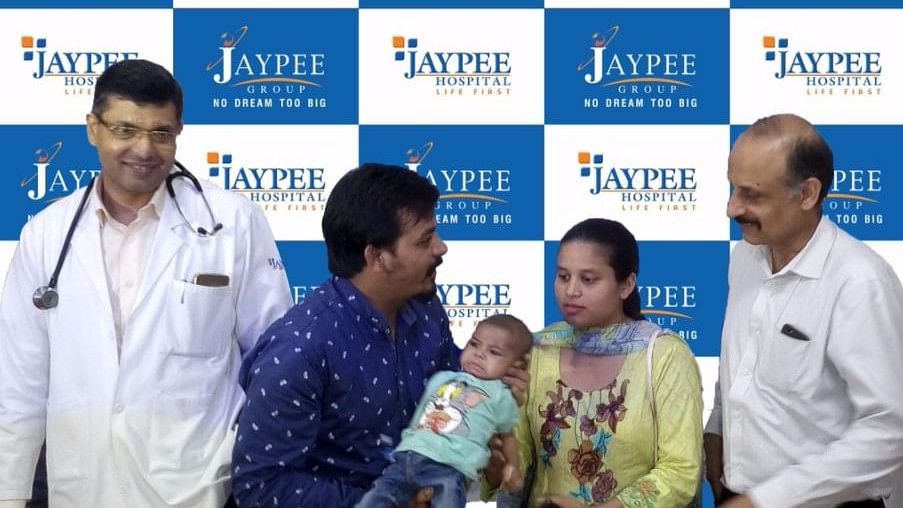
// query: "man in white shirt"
[[808, 407], [124, 316]]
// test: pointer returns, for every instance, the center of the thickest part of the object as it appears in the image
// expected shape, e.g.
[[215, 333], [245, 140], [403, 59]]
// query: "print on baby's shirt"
[[446, 412]]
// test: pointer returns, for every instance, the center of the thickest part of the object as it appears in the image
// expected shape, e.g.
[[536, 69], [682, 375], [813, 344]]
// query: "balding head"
[[807, 154]]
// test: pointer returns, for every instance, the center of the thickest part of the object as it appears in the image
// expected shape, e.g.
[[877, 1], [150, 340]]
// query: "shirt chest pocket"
[[790, 361], [199, 320]]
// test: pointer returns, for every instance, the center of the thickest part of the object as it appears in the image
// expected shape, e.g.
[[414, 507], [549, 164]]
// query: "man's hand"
[[714, 464], [512, 480], [422, 499], [738, 502], [517, 378], [494, 472]]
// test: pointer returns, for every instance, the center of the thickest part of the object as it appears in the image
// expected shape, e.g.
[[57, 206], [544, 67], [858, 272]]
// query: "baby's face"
[[489, 353]]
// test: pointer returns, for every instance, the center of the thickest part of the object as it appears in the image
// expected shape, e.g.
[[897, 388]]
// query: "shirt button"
[[118, 408]]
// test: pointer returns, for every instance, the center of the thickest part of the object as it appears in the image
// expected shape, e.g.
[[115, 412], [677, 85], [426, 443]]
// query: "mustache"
[[743, 219], [427, 296]]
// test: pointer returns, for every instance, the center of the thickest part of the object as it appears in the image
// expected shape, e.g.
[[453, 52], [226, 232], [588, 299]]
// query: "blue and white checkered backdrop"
[[527, 115]]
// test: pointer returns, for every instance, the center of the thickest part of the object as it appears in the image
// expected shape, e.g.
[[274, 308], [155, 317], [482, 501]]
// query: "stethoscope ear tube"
[[184, 173], [47, 297]]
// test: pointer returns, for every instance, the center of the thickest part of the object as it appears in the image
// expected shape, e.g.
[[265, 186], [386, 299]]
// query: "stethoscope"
[[47, 297]]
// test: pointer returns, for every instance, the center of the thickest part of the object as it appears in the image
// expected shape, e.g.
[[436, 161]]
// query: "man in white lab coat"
[[126, 359]]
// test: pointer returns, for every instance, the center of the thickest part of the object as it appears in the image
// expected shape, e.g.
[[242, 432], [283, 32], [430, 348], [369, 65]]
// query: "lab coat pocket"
[[66, 434], [182, 435], [201, 319]]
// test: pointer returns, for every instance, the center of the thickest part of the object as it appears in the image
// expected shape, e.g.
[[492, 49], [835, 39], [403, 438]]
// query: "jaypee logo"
[[670, 306], [644, 189], [265, 80], [853, 198], [291, 189], [304, 267], [825, 72], [299, 293], [75, 71], [466, 196], [641, 80], [455, 73], [46, 183], [469, 302]]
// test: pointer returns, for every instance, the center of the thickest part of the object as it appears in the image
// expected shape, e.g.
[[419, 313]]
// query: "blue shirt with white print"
[[329, 392]]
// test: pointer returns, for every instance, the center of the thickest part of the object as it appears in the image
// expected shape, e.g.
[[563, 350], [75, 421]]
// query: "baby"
[[446, 441]]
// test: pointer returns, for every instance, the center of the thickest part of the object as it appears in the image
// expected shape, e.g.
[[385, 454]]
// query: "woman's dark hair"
[[621, 248]]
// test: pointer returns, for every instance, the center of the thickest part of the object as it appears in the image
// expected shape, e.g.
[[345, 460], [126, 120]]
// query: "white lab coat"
[[151, 428]]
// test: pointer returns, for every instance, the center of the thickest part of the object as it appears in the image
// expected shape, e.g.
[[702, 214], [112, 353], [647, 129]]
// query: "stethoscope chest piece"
[[45, 297]]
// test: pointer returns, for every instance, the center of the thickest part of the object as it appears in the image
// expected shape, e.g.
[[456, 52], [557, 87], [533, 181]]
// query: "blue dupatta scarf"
[[617, 339]]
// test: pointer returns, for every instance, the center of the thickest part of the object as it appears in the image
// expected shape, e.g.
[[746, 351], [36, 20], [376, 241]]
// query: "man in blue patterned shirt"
[[332, 383]]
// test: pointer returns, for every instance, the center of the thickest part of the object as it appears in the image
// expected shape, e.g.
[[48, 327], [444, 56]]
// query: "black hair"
[[140, 81], [368, 206], [808, 155], [621, 248], [523, 339]]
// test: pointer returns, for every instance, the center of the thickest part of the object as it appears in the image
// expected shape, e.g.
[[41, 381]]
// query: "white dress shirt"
[[125, 250], [815, 420]]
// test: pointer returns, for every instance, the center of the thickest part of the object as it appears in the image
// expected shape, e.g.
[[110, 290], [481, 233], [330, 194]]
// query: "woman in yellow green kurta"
[[586, 428]]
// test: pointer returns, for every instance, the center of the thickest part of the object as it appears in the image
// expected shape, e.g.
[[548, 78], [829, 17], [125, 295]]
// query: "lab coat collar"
[[87, 248], [172, 232], [168, 240]]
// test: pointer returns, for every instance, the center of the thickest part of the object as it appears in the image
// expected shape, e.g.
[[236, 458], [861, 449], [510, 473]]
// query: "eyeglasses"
[[126, 132]]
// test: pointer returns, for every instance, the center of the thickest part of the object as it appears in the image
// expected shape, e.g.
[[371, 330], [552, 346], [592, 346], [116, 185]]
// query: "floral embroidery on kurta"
[[593, 417], [643, 495]]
